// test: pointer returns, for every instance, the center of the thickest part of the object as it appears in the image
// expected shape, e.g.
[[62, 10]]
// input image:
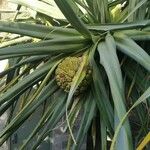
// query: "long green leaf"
[[134, 9], [46, 117], [36, 104], [133, 50], [103, 135], [139, 35], [23, 84], [100, 94], [72, 17], [132, 4], [142, 81], [79, 76], [35, 30], [109, 59], [123, 26], [103, 11], [16, 41], [89, 111], [9, 102], [58, 113], [45, 47], [21, 117], [21, 63], [143, 97]]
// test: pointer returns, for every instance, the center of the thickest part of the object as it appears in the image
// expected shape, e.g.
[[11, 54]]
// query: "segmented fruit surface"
[[66, 71]]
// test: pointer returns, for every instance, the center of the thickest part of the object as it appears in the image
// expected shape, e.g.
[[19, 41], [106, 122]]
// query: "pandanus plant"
[[87, 57]]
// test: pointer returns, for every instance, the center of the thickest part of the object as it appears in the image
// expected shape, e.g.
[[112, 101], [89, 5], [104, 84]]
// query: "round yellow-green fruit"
[[66, 71]]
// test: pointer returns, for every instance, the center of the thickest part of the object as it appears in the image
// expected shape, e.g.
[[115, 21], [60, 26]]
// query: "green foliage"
[[113, 38]]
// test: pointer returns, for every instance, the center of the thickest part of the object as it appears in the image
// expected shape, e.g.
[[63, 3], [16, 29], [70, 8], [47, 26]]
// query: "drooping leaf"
[[142, 98], [100, 94], [109, 59], [133, 50], [79, 76]]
